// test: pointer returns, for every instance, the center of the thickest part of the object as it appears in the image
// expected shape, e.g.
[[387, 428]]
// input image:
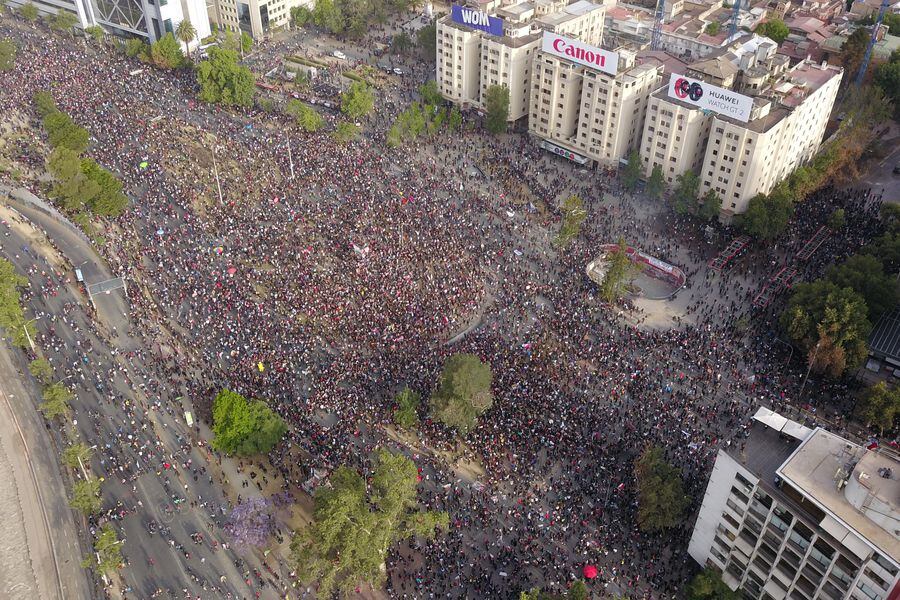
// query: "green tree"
[[108, 548], [712, 28], [63, 131], [775, 30], [578, 591], [631, 174], [29, 12], [656, 185], [86, 496], [829, 323], [56, 401], [75, 453], [64, 20], [463, 392], [71, 186], [109, 201], [406, 413], [223, 81], [454, 121], [7, 54], [44, 103], [886, 248], [246, 42], [865, 275], [12, 319], [301, 16], [879, 407], [354, 525], [887, 77], [430, 93], [327, 16], [244, 427], [426, 39], [96, 32], [165, 52], [345, 132], [708, 585], [496, 103], [710, 205], [573, 217], [357, 101], [306, 116], [135, 47], [42, 370], [684, 198], [618, 274], [852, 52], [186, 32], [837, 219], [767, 216], [401, 43], [661, 498]]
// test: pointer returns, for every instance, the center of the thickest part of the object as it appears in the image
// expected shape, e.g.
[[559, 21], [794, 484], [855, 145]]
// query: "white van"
[[339, 55]]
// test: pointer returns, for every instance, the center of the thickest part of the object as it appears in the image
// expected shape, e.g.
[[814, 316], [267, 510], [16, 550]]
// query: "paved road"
[[124, 409], [39, 553]]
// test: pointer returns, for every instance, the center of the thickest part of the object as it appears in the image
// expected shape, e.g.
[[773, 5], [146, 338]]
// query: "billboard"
[[710, 97], [476, 19], [581, 53]]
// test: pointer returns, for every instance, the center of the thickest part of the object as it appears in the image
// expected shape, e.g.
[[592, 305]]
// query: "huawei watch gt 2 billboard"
[[710, 97], [476, 19]]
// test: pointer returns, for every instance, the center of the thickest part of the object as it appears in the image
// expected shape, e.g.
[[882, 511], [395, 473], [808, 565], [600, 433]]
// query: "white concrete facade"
[[256, 18], [674, 138], [80, 8], [781, 517], [588, 111]]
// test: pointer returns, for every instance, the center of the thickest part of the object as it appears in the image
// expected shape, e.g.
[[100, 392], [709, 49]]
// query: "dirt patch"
[[36, 239]]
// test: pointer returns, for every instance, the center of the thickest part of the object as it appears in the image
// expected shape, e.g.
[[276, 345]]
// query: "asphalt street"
[[124, 410]]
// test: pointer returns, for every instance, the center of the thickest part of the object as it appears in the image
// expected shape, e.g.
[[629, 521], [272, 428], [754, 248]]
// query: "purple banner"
[[476, 19]]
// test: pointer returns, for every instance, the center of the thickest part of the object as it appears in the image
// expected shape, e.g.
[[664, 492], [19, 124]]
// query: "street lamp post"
[[290, 158], [28, 335], [216, 171], [808, 369]]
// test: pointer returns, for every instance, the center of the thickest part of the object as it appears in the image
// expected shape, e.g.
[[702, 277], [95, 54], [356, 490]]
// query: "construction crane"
[[735, 16], [864, 66], [656, 34]]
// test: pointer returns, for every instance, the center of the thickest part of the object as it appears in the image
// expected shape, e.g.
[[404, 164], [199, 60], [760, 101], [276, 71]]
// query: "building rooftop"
[[867, 505], [885, 339], [803, 80], [670, 63], [515, 11], [764, 451]]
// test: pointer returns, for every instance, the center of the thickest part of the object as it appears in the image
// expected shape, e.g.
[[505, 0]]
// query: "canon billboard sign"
[[710, 97], [581, 53]]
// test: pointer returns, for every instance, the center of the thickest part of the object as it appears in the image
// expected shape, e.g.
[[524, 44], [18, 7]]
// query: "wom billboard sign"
[[581, 53], [710, 97], [476, 19]]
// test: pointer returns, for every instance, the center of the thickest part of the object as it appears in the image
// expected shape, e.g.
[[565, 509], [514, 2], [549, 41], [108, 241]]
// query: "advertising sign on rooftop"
[[581, 53], [710, 97], [476, 19]]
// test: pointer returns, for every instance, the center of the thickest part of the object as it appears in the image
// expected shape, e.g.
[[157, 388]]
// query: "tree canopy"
[[463, 392], [829, 323], [86, 496], [768, 215], [618, 274], [656, 184], [223, 81], [774, 29], [684, 198], [165, 52], [62, 131], [631, 174], [864, 274], [710, 205], [853, 50], [108, 548], [244, 427], [573, 217], [306, 116], [708, 585], [358, 100], [879, 406], [355, 523], [407, 407], [496, 103], [661, 498], [56, 401], [41, 369], [12, 317], [7, 54]]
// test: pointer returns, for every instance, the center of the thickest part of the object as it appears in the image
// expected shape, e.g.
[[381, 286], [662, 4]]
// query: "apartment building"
[[256, 18], [596, 114], [481, 45], [149, 19], [801, 514], [781, 125]]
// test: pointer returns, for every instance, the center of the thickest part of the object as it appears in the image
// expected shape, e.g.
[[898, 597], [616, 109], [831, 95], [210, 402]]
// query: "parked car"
[[339, 55]]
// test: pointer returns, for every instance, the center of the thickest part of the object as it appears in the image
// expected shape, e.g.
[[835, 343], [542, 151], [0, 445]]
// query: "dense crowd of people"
[[326, 292]]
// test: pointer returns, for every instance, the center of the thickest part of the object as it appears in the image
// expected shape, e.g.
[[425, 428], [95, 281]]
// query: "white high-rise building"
[[792, 513], [471, 58]]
